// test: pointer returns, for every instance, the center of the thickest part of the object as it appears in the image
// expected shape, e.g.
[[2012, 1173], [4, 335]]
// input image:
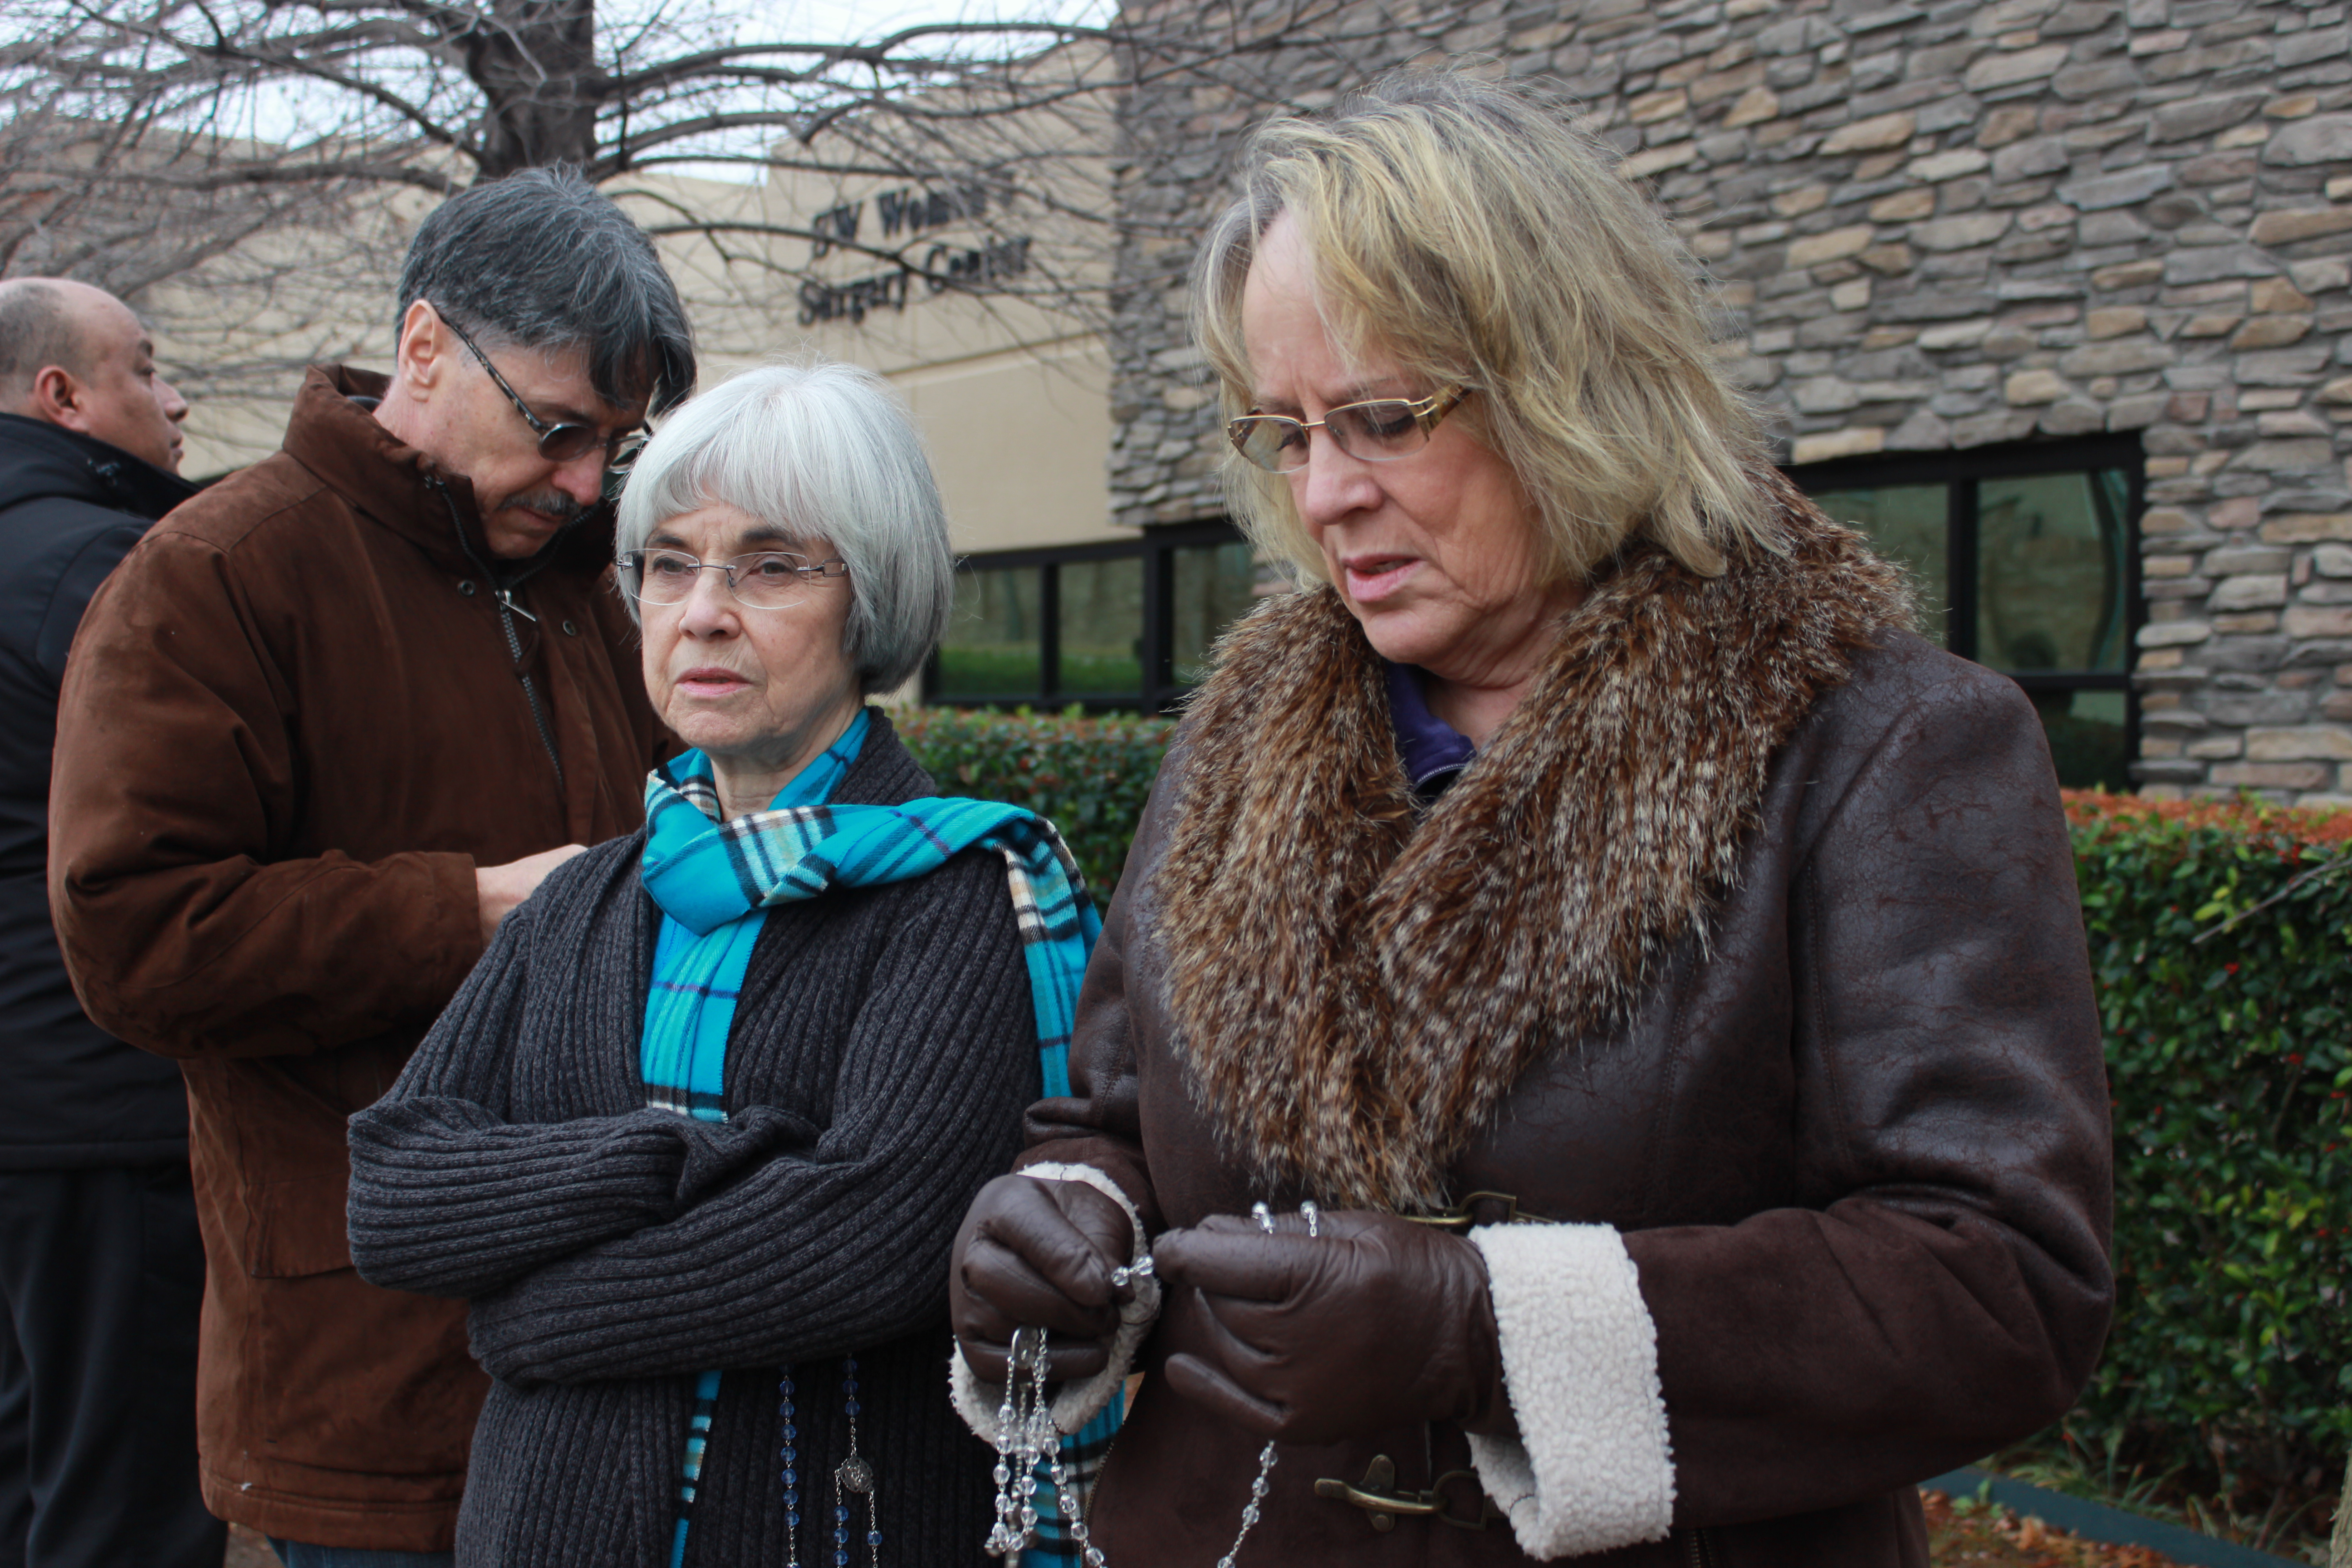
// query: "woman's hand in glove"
[[1039, 1254], [1375, 1323]]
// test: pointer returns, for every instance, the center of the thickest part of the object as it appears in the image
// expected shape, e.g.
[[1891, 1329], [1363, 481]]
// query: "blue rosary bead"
[[790, 1454], [855, 1476]]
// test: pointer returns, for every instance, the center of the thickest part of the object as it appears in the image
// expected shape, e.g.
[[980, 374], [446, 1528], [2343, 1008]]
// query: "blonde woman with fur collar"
[[1640, 979]]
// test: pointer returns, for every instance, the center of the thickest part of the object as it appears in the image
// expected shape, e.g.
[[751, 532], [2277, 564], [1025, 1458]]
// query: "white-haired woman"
[[695, 1136], [1588, 847]]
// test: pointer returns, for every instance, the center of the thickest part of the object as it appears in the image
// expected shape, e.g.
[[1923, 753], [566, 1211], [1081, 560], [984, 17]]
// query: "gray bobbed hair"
[[824, 453]]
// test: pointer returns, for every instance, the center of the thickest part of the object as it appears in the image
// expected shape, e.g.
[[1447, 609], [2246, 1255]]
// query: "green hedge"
[[1089, 776], [2230, 1365], [2230, 1069]]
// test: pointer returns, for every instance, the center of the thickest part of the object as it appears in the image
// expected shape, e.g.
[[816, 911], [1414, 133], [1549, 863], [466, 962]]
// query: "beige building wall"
[[1018, 439], [1012, 394], [1013, 397], [237, 333], [1017, 435]]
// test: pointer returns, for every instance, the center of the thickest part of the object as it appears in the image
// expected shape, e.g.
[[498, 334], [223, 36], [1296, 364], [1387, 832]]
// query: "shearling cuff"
[[1592, 1467], [1076, 1404]]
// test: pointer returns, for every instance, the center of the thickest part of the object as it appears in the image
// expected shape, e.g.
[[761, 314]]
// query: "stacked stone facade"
[[1939, 226]]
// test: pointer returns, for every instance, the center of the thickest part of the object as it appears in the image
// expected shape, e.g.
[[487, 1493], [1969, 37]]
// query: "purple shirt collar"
[[1432, 748]]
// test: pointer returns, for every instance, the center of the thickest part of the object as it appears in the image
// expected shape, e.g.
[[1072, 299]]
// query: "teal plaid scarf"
[[715, 882], [706, 938], [690, 1001]]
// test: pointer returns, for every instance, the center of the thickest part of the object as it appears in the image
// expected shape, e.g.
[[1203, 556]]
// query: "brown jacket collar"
[[406, 490], [1407, 972]]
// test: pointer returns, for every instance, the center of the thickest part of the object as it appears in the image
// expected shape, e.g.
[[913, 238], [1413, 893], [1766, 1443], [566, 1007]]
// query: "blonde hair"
[[1464, 228]]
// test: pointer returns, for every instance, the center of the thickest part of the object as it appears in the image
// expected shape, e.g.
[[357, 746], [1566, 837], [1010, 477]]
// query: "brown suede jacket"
[[292, 728], [1748, 957]]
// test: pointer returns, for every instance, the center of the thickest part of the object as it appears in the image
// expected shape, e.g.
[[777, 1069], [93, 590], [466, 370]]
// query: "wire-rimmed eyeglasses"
[[763, 579], [562, 442], [1378, 430]]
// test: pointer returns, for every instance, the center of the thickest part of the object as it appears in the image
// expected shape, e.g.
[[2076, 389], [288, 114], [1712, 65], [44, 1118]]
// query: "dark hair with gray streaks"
[[541, 260], [36, 330]]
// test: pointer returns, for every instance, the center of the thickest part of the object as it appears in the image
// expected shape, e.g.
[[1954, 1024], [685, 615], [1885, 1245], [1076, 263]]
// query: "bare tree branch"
[[243, 168]]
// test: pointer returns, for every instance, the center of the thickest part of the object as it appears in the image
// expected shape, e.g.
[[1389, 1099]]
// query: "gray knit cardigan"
[[878, 1066]]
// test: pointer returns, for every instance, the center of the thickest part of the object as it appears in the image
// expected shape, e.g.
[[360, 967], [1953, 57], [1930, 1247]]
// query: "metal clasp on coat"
[[1378, 1497], [1478, 1209]]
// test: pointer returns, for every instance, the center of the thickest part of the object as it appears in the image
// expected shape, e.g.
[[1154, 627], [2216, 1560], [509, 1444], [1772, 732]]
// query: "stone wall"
[[1939, 226]]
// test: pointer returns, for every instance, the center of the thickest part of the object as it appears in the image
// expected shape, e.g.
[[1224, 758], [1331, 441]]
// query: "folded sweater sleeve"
[[449, 1198], [818, 1248]]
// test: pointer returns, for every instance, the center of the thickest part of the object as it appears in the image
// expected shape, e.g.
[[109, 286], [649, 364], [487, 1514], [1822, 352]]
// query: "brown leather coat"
[[1855, 1141], [291, 730]]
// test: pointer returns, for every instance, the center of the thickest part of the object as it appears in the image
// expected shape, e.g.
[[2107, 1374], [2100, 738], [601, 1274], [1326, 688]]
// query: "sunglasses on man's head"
[[562, 442]]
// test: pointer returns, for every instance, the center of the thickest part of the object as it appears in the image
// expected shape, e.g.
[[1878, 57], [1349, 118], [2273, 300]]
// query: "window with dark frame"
[[1125, 626], [2027, 561]]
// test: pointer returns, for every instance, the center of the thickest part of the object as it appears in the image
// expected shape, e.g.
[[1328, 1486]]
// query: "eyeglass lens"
[[561, 443], [564, 443], [769, 580], [1377, 431]]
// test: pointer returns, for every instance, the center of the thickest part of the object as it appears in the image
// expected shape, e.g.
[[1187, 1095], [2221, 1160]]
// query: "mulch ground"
[[1978, 1537], [1990, 1536]]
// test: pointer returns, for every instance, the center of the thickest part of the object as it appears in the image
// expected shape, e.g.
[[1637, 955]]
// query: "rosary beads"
[[854, 1477], [1026, 1436], [792, 1435]]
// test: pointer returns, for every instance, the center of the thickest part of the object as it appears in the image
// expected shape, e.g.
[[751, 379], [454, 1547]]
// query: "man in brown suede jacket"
[[328, 721]]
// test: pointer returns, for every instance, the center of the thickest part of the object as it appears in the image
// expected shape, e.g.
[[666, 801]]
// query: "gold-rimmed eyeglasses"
[[565, 441], [1378, 430], [764, 579]]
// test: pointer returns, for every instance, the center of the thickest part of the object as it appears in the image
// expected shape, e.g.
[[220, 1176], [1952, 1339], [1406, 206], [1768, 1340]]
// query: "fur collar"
[[1354, 989]]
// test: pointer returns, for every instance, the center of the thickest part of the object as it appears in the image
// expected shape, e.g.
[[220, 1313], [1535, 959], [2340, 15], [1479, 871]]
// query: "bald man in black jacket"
[[101, 1272]]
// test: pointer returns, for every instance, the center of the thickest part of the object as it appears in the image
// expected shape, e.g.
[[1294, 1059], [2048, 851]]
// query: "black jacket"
[[70, 1094]]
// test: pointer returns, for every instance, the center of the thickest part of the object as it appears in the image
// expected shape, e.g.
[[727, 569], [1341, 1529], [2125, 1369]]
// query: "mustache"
[[551, 502]]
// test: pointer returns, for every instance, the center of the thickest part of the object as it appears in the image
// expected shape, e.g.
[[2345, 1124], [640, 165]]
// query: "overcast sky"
[[276, 113]]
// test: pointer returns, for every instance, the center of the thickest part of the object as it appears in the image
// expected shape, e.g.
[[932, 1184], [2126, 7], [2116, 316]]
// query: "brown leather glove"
[[1375, 1323], [1039, 1254]]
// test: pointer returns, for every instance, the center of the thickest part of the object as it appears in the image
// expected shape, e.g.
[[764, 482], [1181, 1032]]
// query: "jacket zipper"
[[1695, 1554], [504, 595]]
